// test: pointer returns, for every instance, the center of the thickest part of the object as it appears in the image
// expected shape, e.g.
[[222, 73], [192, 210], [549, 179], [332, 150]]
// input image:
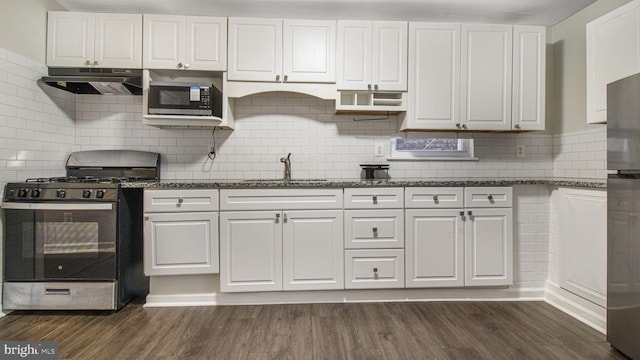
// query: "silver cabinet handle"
[[146, 218], [286, 77], [490, 197], [375, 270], [285, 217], [517, 126], [180, 65], [95, 62], [186, 66], [375, 87], [277, 77], [435, 198], [180, 200], [277, 218], [368, 86], [375, 229], [464, 126], [462, 215], [57, 292], [375, 199], [458, 126], [87, 62], [469, 213]]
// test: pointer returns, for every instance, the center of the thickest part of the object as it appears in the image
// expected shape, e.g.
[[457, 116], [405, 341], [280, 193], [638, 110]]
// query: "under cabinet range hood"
[[96, 81]]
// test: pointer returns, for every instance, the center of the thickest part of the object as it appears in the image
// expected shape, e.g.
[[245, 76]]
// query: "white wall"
[[569, 90], [23, 27]]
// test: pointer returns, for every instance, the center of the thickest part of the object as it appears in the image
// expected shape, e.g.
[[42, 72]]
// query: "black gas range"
[[75, 242]]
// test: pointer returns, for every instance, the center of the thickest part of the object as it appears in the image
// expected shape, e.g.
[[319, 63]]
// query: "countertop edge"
[[248, 184]]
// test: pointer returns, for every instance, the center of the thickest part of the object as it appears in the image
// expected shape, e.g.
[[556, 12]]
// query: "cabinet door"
[[255, 49], [163, 42], [118, 40], [309, 51], [313, 250], [70, 39], [488, 247], [354, 55], [205, 43], [613, 52], [434, 76], [434, 248], [181, 243], [486, 77], [529, 73], [250, 251], [389, 66]]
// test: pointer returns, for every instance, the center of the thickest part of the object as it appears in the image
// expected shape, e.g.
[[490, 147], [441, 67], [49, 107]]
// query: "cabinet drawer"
[[180, 200], [374, 269], [487, 197], [280, 199], [373, 198], [433, 197], [374, 229]]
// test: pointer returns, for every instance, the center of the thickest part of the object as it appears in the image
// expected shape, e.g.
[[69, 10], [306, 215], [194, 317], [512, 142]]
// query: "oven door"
[[59, 241]]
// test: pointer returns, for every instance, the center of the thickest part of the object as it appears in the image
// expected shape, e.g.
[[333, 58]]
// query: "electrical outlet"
[[379, 151], [520, 151]]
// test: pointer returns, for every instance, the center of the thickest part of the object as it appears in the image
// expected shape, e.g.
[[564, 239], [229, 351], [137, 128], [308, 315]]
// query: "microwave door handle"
[[55, 206]]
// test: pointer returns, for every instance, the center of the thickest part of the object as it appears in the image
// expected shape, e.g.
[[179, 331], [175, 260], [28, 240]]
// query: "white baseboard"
[[346, 296], [579, 308]]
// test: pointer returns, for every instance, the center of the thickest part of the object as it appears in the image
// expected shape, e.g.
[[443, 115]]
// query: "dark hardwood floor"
[[432, 330]]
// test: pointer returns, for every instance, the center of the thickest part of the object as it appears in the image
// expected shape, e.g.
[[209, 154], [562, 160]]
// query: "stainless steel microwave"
[[178, 98]]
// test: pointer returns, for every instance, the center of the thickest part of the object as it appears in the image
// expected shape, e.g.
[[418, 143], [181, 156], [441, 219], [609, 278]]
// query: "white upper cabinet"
[[486, 77], [434, 76], [372, 55], [274, 50], [529, 77], [613, 52], [76, 39], [185, 42]]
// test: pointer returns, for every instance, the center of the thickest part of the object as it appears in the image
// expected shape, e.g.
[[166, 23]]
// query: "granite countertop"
[[353, 183]]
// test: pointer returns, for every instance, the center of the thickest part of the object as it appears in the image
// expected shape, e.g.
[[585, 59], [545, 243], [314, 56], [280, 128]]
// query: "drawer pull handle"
[[180, 200], [470, 213], [490, 197], [57, 292], [375, 199], [277, 217], [435, 198], [375, 270], [462, 215], [146, 218], [375, 229], [285, 217]]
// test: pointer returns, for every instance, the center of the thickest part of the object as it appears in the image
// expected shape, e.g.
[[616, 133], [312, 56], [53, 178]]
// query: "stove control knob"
[[35, 193], [23, 193], [61, 193], [99, 194], [86, 193]]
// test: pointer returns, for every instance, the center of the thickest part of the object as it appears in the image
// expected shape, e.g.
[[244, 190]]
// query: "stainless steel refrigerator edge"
[[623, 215]]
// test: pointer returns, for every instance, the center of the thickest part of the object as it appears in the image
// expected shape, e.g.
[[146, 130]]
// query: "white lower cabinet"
[[488, 247], [312, 250], [180, 232], [251, 251], [292, 247], [435, 244], [374, 269], [464, 246]]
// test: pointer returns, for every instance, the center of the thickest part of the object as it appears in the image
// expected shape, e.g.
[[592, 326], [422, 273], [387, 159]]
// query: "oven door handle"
[[56, 206]]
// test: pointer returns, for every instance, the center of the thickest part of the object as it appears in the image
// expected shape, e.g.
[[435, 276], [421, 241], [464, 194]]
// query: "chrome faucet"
[[287, 166]]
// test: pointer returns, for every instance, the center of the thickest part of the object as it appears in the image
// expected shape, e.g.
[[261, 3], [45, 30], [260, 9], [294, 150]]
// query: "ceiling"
[[532, 12]]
